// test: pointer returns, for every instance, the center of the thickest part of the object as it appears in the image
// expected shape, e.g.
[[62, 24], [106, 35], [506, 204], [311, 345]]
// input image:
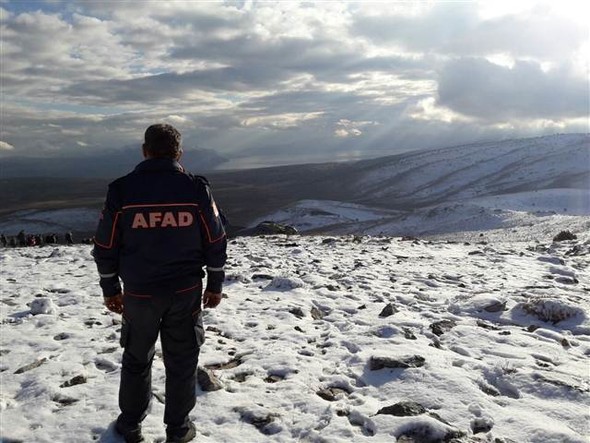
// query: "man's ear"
[[144, 151], [180, 151]]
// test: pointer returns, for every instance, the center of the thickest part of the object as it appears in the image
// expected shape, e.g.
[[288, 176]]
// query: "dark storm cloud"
[[481, 89], [169, 86]]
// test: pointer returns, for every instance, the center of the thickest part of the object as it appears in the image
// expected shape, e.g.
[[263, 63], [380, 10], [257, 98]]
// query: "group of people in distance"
[[23, 240]]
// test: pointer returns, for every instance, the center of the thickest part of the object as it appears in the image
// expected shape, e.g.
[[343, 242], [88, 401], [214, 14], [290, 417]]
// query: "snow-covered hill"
[[323, 339], [507, 186], [463, 172]]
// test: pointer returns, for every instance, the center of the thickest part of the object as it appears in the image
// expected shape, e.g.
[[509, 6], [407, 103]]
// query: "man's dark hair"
[[162, 140]]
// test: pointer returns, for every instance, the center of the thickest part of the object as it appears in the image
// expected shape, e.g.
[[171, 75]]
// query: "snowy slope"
[[483, 187], [497, 336], [484, 169]]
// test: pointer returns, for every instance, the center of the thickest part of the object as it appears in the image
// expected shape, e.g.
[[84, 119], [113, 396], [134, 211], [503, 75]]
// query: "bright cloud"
[[5, 146]]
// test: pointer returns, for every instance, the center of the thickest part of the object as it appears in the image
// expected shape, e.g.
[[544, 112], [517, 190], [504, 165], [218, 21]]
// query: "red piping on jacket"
[[112, 239]]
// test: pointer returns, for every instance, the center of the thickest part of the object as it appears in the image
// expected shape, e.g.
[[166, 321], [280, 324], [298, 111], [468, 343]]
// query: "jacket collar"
[[159, 164]]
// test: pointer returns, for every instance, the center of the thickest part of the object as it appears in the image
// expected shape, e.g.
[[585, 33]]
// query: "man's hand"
[[114, 304], [211, 299]]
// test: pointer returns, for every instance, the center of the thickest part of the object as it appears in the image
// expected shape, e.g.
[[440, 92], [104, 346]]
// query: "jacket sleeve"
[[213, 235], [107, 243]]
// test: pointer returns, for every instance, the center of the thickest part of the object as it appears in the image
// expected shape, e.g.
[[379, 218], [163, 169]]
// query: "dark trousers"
[[176, 316]]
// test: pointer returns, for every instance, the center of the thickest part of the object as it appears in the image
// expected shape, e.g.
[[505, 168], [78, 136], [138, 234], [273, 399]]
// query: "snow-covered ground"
[[493, 341], [516, 217]]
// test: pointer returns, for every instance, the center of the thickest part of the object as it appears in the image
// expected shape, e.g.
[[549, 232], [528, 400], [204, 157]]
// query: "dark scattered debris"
[[388, 310], [565, 236], [30, 366], [496, 306], [62, 336], [77, 380], [403, 409], [411, 361], [274, 378], [408, 334], [442, 326], [481, 425], [332, 393], [207, 380], [63, 400], [297, 312], [233, 363], [316, 314]]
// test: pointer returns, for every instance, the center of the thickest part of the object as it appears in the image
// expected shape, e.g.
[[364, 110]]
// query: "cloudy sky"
[[267, 83]]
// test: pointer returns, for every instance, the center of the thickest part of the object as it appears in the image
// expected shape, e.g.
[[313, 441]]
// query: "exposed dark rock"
[[565, 236], [316, 314], [297, 312], [274, 378], [489, 389], [475, 252], [260, 420], [411, 361], [270, 228], [77, 380], [551, 310], [262, 277], [241, 377], [332, 393], [480, 424], [424, 434], [207, 380], [567, 280], [214, 330], [109, 350], [328, 241], [403, 409], [435, 343], [440, 327], [91, 322], [486, 325], [30, 366], [63, 400], [388, 310], [235, 362], [496, 306], [408, 334]]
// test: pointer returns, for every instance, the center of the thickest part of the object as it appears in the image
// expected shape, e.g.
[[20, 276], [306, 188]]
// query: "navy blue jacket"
[[158, 229]]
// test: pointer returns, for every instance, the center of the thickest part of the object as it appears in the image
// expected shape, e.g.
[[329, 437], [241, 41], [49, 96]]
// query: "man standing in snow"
[[158, 229]]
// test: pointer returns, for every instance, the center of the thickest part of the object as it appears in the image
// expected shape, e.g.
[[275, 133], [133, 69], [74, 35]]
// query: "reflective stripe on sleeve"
[[209, 268], [107, 275]]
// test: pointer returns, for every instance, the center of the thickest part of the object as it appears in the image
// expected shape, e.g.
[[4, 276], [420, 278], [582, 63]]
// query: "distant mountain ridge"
[[482, 186], [109, 163]]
